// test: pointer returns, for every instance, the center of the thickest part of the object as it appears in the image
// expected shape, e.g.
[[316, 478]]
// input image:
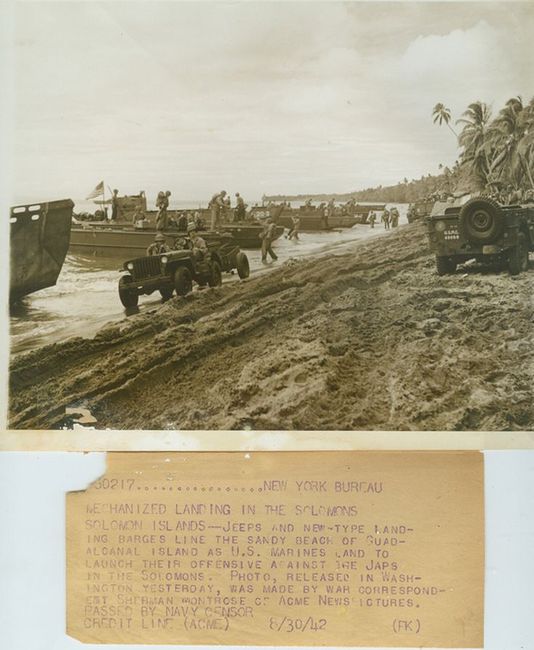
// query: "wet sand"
[[368, 337], [86, 298]]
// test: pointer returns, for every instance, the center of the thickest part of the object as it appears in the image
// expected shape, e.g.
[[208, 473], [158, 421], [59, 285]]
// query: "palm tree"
[[441, 115], [511, 138], [525, 147], [474, 140]]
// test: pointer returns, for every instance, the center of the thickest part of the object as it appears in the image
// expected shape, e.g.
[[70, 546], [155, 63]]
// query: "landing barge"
[[124, 238], [114, 240], [39, 240], [316, 218]]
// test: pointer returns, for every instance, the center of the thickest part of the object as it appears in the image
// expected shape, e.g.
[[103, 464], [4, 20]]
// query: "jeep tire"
[[183, 283], [445, 265], [166, 293], [215, 279], [128, 297], [242, 265], [481, 221], [518, 256]]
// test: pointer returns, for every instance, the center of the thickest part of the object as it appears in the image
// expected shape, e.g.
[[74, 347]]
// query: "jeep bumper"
[[149, 285], [492, 249]]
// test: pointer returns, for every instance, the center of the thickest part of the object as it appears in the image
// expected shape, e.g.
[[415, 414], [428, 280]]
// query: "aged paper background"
[[31, 132], [308, 548]]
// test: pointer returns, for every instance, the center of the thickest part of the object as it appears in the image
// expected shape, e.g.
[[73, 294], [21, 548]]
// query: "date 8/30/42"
[[287, 624]]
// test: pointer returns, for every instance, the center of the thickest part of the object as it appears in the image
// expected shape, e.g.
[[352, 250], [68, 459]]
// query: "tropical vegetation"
[[495, 153]]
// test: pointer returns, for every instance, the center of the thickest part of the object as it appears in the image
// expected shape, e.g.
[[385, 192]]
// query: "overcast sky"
[[251, 97]]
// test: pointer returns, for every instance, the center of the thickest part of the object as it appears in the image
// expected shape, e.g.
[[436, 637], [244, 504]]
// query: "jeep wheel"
[[481, 221], [518, 257], [128, 297], [444, 265], [242, 265], [216, 275], [183, 282], [166, 293]]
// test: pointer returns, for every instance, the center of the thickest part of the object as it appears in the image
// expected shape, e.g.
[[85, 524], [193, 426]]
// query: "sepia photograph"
[[261, 216]]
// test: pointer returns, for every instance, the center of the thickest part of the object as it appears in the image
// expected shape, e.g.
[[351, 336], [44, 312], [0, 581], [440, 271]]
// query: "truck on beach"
[[39, 240], [483, 230]]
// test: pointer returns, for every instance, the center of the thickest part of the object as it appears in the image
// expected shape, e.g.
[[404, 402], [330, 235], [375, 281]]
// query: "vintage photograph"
[[271, 216]]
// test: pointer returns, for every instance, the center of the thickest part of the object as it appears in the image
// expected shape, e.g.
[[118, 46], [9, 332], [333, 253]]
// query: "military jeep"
[[419, 210], [176, 270], [483, 230]]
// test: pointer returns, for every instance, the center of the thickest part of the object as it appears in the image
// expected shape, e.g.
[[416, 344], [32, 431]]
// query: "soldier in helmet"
[[162, 219], [268, 236], [158, 246], [217, 206], [199, 221], [183, 220], [240, 210], [394, 217], [198, 244]]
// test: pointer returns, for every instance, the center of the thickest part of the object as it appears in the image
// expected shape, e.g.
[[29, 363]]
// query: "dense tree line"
[[403, 192], [498, 152]]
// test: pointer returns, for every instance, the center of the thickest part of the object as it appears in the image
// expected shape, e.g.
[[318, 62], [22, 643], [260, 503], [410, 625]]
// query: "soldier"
[[330, 208], [372, 218], [158, 246], [351, 207], [385, 218], [183, 222], [394, 217], [329, 211], [162, 202], [198, 245], [199, 221], [267, 237], [217, 205], [240, 211], [138, 215], [294, 232], [115, 205], [181, 243]]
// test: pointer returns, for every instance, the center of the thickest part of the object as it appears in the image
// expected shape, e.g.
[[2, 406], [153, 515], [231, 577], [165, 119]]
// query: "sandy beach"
[[367, 338]]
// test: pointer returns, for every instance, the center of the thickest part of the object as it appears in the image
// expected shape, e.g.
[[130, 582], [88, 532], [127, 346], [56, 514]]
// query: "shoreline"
[[368, 339]]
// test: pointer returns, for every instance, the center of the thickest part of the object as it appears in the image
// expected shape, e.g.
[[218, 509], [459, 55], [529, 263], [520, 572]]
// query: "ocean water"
[[86, 295]]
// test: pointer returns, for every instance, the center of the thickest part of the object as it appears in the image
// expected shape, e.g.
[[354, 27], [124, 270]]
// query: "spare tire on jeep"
[[481, 221]]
